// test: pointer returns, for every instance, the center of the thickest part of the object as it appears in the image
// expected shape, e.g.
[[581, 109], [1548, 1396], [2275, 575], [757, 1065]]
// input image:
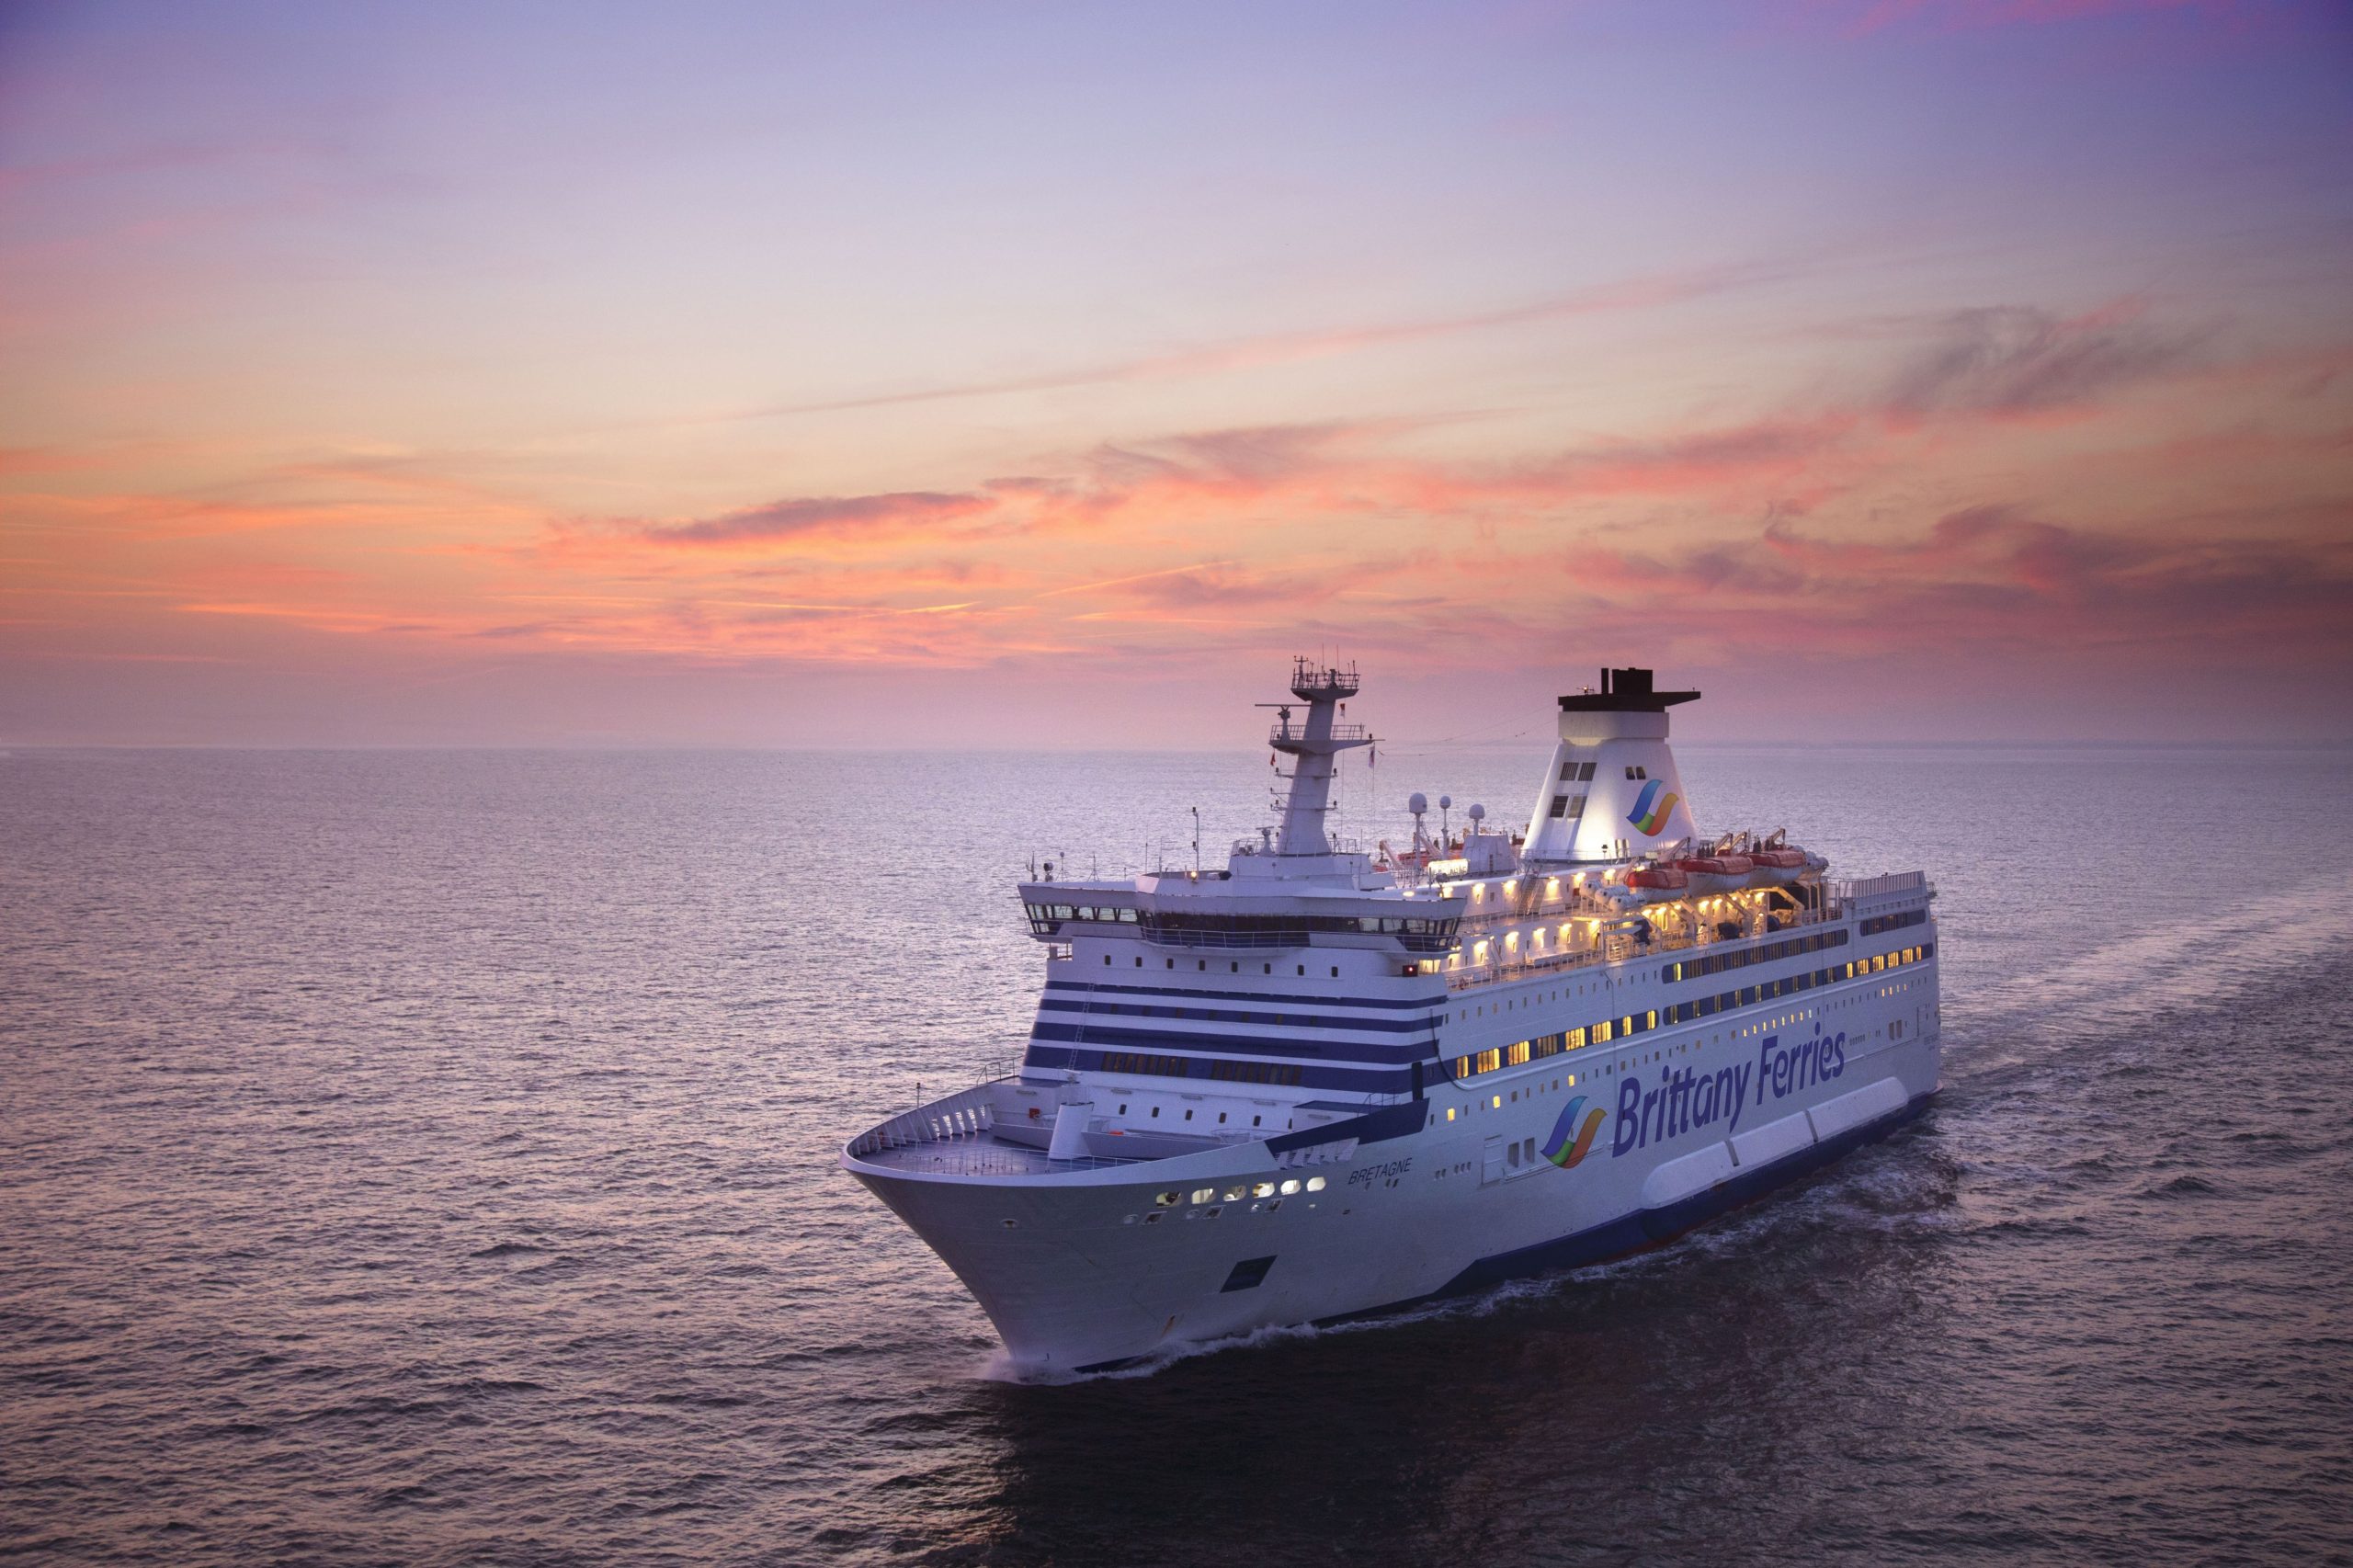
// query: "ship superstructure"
[[1319, 1082]]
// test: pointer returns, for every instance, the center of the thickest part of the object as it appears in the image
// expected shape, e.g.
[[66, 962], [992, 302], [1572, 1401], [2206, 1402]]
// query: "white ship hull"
[[1092, 1271]]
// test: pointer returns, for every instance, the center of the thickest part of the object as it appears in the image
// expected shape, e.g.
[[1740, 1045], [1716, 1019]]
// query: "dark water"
[[429, 1158]]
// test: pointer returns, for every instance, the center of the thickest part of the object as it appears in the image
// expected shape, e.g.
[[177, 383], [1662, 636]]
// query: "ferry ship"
[[1323, 1082]]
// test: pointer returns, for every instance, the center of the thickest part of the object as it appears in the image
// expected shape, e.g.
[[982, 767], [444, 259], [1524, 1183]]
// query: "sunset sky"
[[1036, 375]]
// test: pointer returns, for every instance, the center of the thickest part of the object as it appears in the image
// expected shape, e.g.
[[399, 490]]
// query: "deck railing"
[[971, 1111], [1865, 887]]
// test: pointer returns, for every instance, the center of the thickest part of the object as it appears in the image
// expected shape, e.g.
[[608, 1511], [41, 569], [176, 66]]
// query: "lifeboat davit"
[[1659, 884], [1717, 873], [1776, 866]]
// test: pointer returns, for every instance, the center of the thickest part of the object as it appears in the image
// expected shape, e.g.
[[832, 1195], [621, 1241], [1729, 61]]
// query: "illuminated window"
[[1169, 1199], [1290, 1187], [1263, 1189], [1236, 1193], [1314, 1184], [1203, 1194], [1517, 1055], [1498, 1102]]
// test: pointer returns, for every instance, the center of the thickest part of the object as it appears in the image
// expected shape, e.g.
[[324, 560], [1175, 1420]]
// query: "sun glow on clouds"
[[1922, 472]]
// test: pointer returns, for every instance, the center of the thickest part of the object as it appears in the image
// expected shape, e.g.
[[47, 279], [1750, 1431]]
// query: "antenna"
[[1197, 843]]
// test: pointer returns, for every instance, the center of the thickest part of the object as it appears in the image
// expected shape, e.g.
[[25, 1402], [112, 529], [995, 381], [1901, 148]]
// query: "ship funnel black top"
[[1625, 691]]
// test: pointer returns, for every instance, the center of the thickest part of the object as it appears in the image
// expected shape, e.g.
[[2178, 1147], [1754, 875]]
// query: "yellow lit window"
[[1601, 1032], [1264, 1190], [1517, 1055], [1490, 1060], [1449, 1113], [1576, 1038]]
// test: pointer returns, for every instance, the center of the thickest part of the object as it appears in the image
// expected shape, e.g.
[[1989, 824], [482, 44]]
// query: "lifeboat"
[[1717, 873], [1659, 884], [1776, 866]]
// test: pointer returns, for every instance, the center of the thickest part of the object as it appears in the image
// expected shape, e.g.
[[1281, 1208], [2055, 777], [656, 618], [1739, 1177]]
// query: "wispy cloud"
[[1649, 292], [833, 516], [2014, 360]]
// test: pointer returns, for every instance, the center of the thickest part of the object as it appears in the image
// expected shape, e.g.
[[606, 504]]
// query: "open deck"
[[979, 1154]]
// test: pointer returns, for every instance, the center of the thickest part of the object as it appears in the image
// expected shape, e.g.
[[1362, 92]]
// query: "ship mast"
[[1313, 743]]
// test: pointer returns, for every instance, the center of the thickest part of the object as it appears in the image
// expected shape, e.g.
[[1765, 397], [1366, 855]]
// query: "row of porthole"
[[1513, 1004], [1495, 1102], [1233, 966], [1239, 1190]]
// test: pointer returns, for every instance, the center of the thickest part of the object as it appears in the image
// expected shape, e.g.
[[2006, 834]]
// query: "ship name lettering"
[[1686, 1098]]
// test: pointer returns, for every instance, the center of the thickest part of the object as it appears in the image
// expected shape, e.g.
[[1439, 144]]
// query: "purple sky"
[[1046, 375]]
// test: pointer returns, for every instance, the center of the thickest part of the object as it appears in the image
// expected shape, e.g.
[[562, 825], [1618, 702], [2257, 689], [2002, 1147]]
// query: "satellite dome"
[[1417, 803], [1477, 813], [1446, 802]]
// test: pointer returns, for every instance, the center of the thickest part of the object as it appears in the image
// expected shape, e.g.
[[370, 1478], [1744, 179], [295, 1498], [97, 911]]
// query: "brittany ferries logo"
[[1651, 807], [1571, 1139]]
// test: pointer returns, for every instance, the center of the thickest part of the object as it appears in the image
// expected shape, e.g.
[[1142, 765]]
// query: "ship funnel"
[[1613, 791]]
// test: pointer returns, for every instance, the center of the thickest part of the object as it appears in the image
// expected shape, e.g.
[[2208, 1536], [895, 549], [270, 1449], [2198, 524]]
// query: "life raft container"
[[1658, 884], [1717, 873]]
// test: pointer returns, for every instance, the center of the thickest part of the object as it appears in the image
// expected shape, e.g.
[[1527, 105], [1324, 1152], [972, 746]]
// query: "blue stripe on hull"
[[1090, 1007], [1648, 1228], [1190, 994], [1230, 1044], [1083, 1059]]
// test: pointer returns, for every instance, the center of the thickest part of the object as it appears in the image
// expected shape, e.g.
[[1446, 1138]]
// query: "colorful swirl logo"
[[1650, 811], [1570, 1142]]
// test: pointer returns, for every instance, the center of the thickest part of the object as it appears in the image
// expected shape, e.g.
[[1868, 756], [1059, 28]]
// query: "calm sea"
[[428, 1157]]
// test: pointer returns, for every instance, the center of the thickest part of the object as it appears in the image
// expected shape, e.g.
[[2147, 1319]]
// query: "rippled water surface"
[[430, 1157]]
